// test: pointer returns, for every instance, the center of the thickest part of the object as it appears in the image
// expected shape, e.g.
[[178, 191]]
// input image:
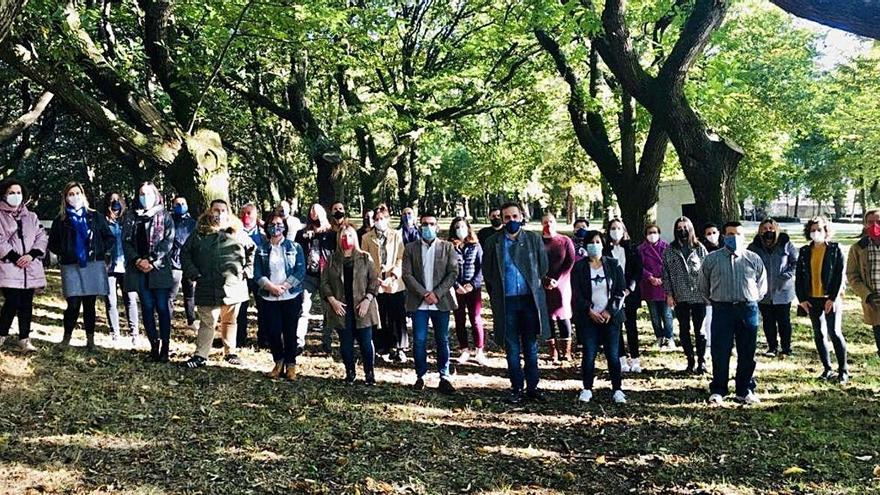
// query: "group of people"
[[370, 280]]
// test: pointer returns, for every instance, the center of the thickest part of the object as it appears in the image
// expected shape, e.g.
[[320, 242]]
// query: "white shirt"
[[600, 289], [277, 272], [428, 251], [618, 253]]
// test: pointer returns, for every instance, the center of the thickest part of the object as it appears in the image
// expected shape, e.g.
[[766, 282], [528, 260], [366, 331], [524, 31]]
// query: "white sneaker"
[[635, 366], [464, 357], [715, 400], [660, 342], [134, 341], [750, 398], [619, 397], [2, 340], [26, 346], [481, 358], [194, 325], [586, 396], [670, 346], [624, 365]]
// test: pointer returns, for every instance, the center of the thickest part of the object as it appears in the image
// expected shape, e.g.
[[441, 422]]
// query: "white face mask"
[[382, 225], [616, 234], [461, 232], [652, 238], [13, 199], [713, 238], [817, 236], [76, 201], [148, 199]]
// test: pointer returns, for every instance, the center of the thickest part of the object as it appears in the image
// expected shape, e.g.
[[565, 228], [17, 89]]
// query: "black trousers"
[[630, 308], [391, 334], [71, 314], [18, 302], [776, 320], [687, 313]]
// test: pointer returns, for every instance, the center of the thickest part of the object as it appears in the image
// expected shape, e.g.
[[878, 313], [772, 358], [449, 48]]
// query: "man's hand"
[[431, 298], [24, 261]]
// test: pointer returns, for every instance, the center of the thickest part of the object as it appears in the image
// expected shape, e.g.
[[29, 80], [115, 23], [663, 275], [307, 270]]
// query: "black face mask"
[[769, 236], [339, 215], [682, 235], [496, 222]]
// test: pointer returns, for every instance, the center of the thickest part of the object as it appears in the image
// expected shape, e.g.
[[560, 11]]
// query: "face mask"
[[180, 209], [546, 230], [285, 211], [581, 233], [338, 215], [817, 236], [769, 236], [734, 242], [13, 199], [382, 225], [76, 202], [148, 200], [428, 233], [682, 234], [272, 230], [221, 218], [461, 232], [615, 234], [496, 222], [115, 206], [594, 250], [874, 231], [713, 238], [513, 226], [347, 242], [653, 238]]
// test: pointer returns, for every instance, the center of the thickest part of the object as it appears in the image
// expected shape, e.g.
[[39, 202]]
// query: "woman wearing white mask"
[[82, 240], [22, 244], [148, 236], [385, 246], [468, 289], [620, 247], [819, 288]]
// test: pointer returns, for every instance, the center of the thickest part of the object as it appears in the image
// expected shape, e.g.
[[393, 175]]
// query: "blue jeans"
[[661, 319], [155, 301], [591, 335], [364, 337], [734, 322], [521, 328], [440, 321]]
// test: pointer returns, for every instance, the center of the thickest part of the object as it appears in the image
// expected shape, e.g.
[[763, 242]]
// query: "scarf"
[[157, 228], [81, 227]]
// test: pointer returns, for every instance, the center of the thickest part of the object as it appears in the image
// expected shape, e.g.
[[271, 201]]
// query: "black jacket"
[[62, 239], [582, 288], [832, 272], [633, 272]]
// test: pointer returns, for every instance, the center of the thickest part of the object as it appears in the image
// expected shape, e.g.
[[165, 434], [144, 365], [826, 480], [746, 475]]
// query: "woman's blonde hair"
[[70, 185]]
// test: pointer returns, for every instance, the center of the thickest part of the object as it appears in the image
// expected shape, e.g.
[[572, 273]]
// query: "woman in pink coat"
[[651, 287], [22, 244]]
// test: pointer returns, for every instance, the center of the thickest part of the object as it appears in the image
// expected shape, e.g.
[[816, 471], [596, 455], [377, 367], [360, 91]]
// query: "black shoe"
[[515, 398], [154, 350], [370, 379], [419, 384], [163, 351], [787, 353], [445, 387], [233, 359], [349, 377], [536, 396], [689, 370], [827, 375], [843, 378], [195, 362], [701, 369]]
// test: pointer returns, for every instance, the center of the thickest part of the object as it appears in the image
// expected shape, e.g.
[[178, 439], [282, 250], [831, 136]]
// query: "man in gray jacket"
[[430, 268], [514, 264]]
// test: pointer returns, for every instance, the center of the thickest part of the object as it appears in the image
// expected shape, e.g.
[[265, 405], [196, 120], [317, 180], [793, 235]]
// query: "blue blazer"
[[294, 262]]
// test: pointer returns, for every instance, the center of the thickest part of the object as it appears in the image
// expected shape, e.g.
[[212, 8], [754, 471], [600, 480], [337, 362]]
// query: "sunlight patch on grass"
[[92, 440], [19, 478]]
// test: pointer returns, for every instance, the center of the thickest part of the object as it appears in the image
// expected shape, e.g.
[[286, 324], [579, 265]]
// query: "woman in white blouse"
[[598, 291]]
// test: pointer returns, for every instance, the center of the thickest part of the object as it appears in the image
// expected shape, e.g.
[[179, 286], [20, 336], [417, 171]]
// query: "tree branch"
[[861, 17], [17, 126], [157, 44], [705, 17]]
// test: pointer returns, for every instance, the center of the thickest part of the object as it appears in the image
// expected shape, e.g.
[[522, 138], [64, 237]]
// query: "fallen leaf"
[[793, 471]]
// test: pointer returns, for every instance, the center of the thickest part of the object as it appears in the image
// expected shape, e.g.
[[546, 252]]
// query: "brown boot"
[[554, 355], [290, 374], [276, 371], [564, 349]]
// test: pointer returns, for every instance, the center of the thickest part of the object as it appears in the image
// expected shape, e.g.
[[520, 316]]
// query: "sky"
[[838, 46]]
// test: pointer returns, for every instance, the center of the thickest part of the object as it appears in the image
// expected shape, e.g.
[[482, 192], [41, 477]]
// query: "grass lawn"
[[110, 422]]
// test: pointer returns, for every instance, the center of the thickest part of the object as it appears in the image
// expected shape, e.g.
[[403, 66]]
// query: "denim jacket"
[[295, 265]]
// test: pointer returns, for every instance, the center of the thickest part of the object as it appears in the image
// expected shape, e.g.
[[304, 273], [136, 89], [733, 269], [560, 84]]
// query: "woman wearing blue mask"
[[279, 270], [115, 214], [598, 287], [147, 239], [81, 239]]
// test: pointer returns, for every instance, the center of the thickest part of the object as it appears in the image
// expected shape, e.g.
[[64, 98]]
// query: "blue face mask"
[[581, 233], [116, 206], [594, 250], [730, 242], [180, 209], [428, 233], [273, 230], [513, 226]]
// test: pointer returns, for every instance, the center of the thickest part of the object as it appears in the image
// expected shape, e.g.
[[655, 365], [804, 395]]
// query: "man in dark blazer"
[[514, 264], [430, 268]]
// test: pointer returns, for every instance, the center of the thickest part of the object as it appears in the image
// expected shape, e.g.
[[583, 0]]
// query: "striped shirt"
[[733, 277]]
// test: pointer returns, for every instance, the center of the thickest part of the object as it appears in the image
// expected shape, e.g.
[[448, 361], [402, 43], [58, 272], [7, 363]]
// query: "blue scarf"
[[81, 226]]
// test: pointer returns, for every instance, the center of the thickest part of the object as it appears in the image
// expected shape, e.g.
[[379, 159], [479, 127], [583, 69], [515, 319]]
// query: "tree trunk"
[[201, 170], [327, 158], [9, 10], [797, 206]]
